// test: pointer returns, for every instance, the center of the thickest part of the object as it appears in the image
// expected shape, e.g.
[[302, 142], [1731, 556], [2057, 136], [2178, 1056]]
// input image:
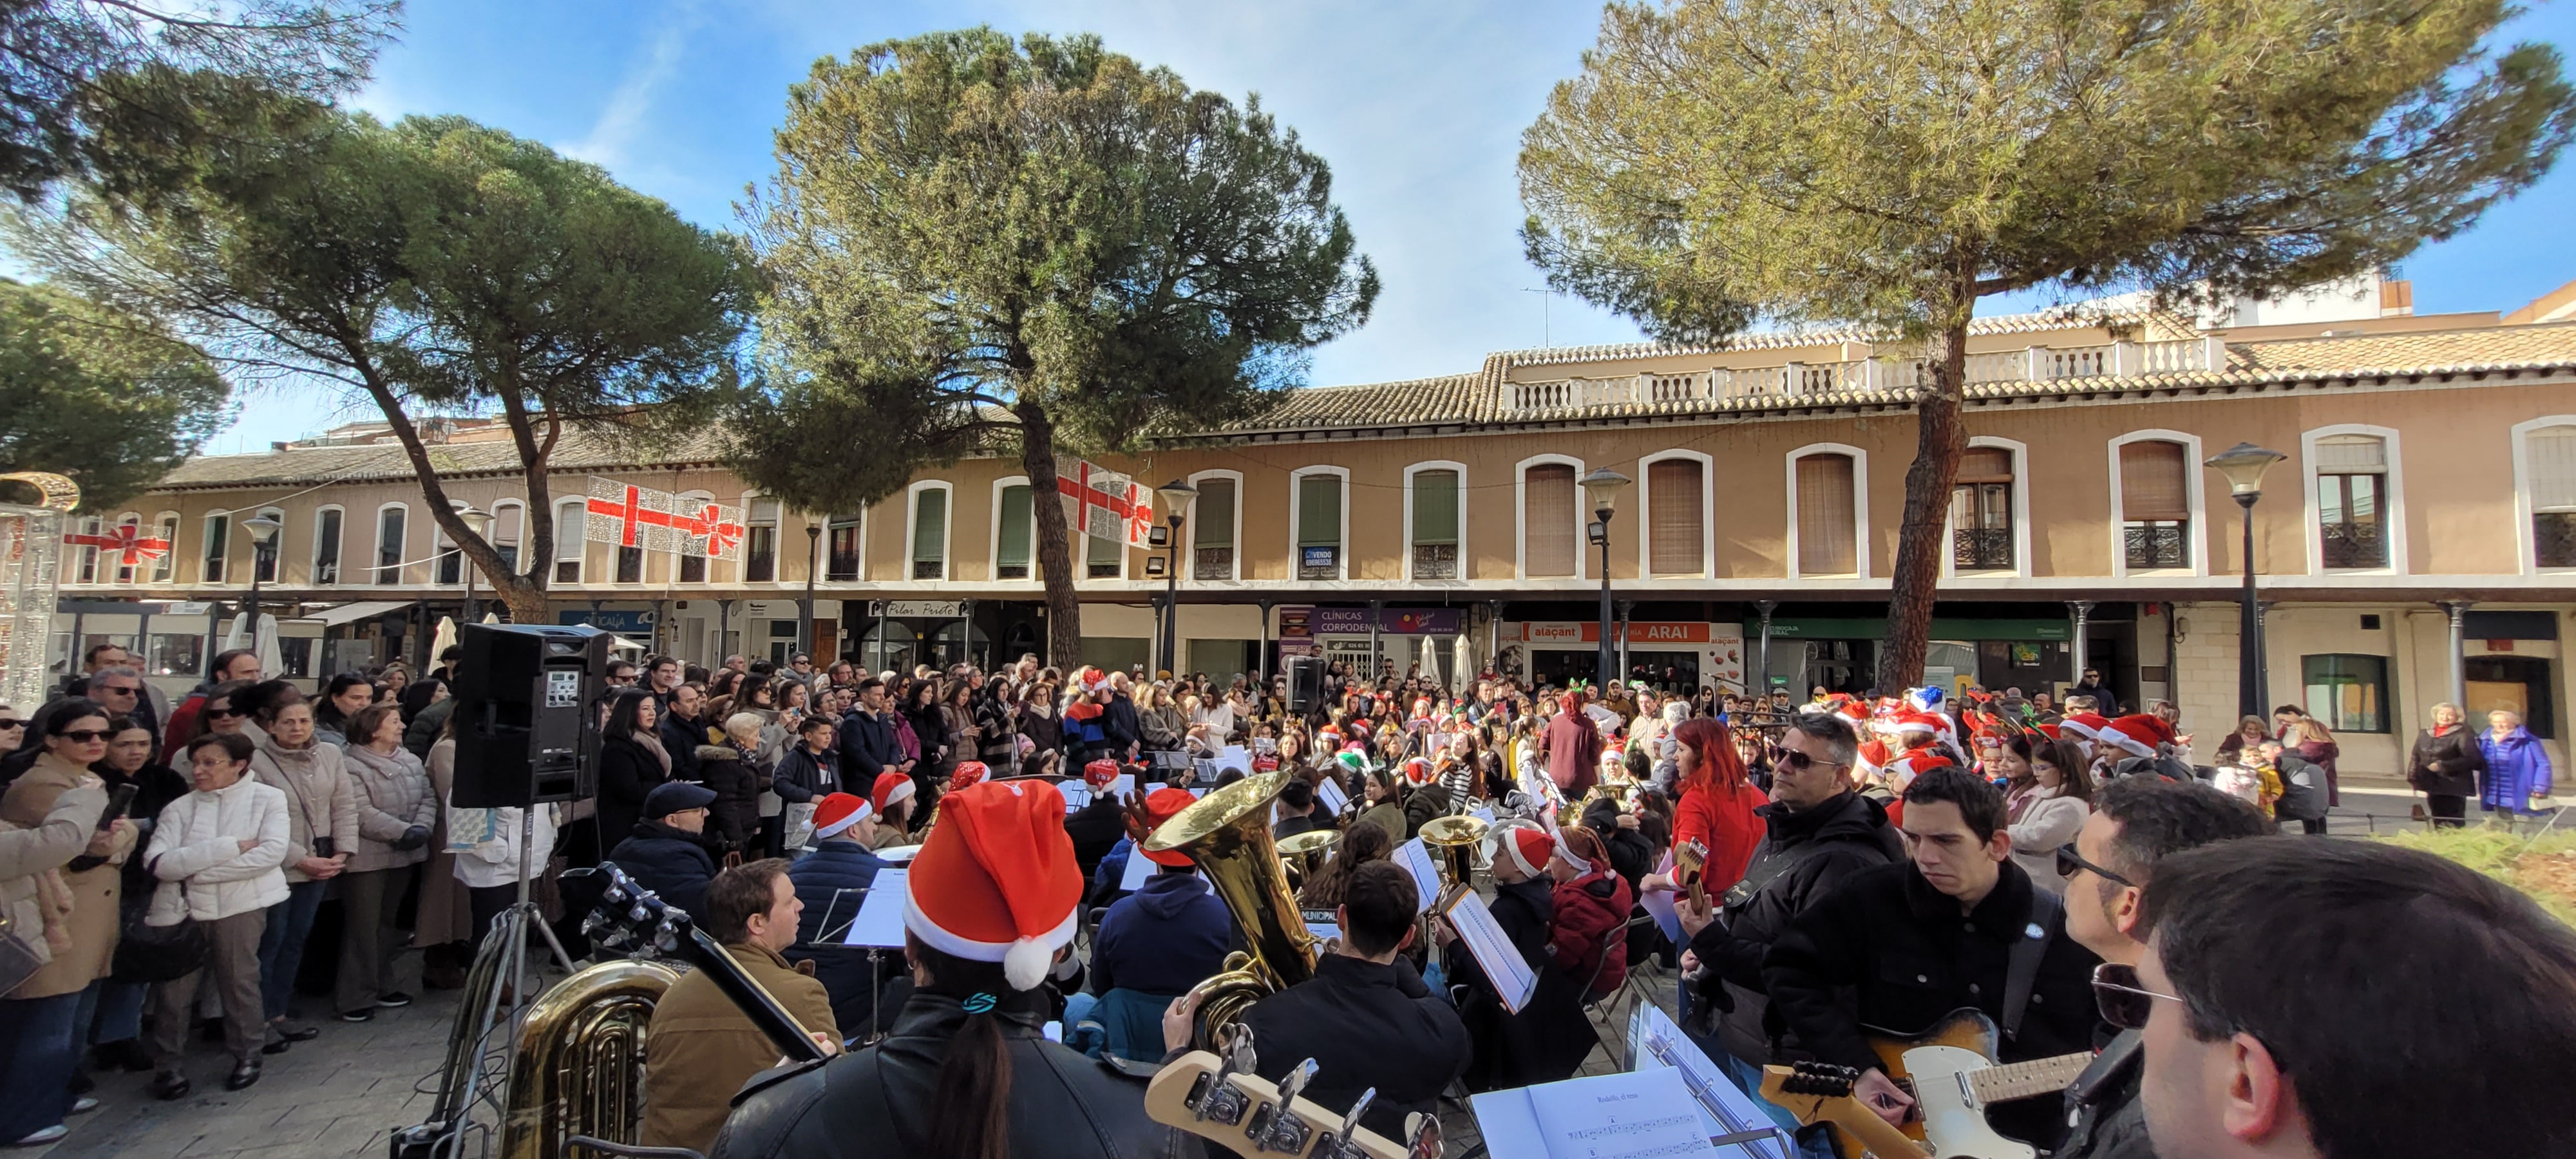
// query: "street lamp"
[[263, 544], [1602, 488], [478, 522], [2243, 466], [1176, 496], [805, 614]]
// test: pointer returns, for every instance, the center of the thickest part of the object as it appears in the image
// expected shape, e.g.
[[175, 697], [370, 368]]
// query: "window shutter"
[[1985, 465], [2154, 483], [2551, 455], [1319, 511], [1213, 514], [1018, 522], [1549, 520], [929, 525], [1825, 535], [1673, 491], [1435, 507], [2352, 455]]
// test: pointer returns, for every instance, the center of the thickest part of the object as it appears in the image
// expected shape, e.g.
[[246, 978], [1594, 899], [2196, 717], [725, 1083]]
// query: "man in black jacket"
[[867, 739], [682, 733], [667, 852], [1365, 1017], [1818, 832], [1914, 941], [2136, 822], [1126, 731], [1510, 1050]]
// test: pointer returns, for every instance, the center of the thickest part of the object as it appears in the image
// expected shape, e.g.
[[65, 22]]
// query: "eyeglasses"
[[2124, 1000], [219, 713], [13, 724], [1798, 760], [86, 735], [2070, 863]]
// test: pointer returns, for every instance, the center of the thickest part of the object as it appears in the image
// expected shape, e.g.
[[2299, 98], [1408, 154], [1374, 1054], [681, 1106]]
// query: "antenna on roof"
[[1546, 319]]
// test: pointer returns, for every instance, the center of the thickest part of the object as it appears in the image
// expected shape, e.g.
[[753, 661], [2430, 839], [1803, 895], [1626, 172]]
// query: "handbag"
[[18, 960], [149, 953]]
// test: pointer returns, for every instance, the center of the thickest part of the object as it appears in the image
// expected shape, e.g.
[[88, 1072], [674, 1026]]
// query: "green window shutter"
[[1213, 512], [930, 525], [1017, 528], [1319, 511], [1435, 507]]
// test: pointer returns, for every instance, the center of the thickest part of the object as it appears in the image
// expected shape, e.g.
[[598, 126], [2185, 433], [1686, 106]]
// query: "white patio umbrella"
[[1431, 661], [1465, 669], [271, 664], [440, 640]]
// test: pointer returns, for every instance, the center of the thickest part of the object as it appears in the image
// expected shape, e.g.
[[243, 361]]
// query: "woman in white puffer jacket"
[[218, 853]]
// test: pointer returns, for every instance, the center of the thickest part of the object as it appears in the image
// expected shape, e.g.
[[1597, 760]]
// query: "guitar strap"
[[2022, 972]]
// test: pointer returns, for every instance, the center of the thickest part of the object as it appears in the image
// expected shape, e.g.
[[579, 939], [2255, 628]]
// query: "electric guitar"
[[1219, 1099], [629, 916], [1951, 1073]]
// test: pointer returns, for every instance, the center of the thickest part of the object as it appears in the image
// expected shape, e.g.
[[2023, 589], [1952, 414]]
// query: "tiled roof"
[[2073, 317], [2493, 348], [386, 461]]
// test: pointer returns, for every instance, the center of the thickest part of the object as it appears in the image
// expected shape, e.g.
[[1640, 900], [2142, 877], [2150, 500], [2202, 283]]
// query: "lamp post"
[[2243, 466], [805, 611], [263, 545], [1602, 488], [479, 522], [1175, 496]]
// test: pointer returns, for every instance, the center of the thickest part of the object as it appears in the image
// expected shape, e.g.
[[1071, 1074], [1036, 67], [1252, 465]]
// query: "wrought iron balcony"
[[1981, 549], [2354, 544]]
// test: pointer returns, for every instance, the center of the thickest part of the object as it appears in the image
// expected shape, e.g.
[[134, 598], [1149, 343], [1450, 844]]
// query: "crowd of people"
[[1846, 863]]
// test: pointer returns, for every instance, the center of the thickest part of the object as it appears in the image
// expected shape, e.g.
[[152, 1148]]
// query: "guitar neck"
[[2021, 1080], [755, 1000]]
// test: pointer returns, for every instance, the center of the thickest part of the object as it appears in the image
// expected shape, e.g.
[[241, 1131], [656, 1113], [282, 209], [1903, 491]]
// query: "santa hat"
[[966, 773], [1353, 758], [1417, 770], [837, 812], [2138, 733], [2049, 728], [2088, 725], [1162, 805], [1871, 757], [1527, 846], [997, 881], [1925, 699], [1914, 722], [1902, 771], [1098, 774], [891, 789]]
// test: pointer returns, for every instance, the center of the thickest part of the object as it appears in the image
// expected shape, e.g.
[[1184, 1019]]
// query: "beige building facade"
[[2419, 537]]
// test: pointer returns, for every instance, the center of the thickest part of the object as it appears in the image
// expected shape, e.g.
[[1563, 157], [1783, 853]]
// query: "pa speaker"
[[524, 733], [1305, 683]]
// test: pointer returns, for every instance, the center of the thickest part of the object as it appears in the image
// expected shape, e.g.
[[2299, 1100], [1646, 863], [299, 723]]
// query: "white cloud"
[[626, 119]]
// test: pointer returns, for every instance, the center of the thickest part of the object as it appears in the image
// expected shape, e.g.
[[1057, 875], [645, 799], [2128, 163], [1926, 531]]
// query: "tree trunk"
[[1055, 546], [1940, 442]]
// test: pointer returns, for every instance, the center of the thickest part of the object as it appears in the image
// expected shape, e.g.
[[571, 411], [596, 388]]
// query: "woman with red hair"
[[1716, 806]]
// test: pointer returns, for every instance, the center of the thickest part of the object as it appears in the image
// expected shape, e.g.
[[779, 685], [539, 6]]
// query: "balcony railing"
[[1213, 563], [1864, 373], [2553, 538], [2354, 544], [1981, 548], [1435, 561], [2157, 545]]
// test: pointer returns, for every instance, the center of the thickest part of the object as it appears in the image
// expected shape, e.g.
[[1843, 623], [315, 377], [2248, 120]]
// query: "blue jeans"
[[281, 945], [113, 1011], [39, 1046]]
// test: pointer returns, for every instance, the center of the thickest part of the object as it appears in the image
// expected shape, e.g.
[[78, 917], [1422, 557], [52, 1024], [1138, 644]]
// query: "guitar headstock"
[[1821, 1092], [1221, 1100], [628, 917]]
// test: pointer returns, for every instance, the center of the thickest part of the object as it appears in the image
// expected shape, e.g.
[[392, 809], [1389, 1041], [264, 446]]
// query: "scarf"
[[653, 744]]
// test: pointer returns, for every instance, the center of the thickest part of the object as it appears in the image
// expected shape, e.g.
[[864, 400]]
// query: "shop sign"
[[1390, 621], [1944, 629], [1300, 646], [624, 623], [1639, 632], [924, 609]]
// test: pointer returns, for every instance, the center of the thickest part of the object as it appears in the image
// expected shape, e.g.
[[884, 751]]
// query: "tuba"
[[1227, 835], [579, 1066]]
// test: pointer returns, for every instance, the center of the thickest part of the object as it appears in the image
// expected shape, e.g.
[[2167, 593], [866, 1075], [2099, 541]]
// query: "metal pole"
[[1627, 610], [2082, 611], [1601, 663], [1374, 617], [250, 633], [1761, 682], [2459, 665], [2249, 626], [1261, 662], [805, 612]]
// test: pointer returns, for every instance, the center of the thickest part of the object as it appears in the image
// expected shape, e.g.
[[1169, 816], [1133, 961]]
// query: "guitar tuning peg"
[[1351, 1122], [1422, 1133], [1234, 1047], [1293, 1083]]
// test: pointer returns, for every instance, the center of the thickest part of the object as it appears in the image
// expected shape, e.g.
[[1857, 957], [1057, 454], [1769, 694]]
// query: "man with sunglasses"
[[2350, 999], [1958, 924], [1817, 832], [2136, 823]]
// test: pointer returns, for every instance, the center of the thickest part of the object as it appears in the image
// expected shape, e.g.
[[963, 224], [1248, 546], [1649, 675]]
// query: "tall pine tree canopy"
[[108, 398]]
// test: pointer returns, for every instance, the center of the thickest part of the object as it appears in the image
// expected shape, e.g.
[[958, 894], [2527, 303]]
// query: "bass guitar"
[[629, 917], [1950, 1072], [1219, 1099]]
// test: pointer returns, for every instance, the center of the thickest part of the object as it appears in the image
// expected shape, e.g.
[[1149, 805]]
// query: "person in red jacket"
[[1591, 903], [1716, 807], [1571, 742]]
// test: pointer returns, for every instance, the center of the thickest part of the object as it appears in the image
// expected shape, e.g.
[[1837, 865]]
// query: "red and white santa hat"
[[891, 789], [2088, 725], [967, 773], [1098, 774], [1914, 722], [838, 811], [2138, 733], [997, 881], [1527, 846], [1902, 771], [1162, 805], [1417, 770]]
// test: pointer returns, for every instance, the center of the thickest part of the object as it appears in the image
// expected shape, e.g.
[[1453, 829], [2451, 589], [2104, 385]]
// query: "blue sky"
[[1417, 107]]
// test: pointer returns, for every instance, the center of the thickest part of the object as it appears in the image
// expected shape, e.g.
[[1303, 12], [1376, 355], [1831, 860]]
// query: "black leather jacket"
[[877, 1102]]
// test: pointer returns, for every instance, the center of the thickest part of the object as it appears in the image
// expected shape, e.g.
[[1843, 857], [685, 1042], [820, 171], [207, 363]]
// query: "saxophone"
[[1227, 835]]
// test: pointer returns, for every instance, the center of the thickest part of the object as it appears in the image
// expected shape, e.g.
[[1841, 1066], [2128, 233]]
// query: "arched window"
[[572, 539], [1676, 515], [1435, 521], [509, 530], [1551, 526], [326, 545], [2155, 505], [1828, 514], [2545, 454], [390, 536]]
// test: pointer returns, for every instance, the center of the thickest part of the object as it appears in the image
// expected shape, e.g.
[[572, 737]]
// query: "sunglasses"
[[13, 724], [122, 689], [224, 712], [2125, 1001], [85, 735], [2070, 863], [1798, 760]]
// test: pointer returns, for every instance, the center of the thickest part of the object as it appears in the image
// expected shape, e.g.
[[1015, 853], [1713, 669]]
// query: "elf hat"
[[839, 811], [2138, 733], [1162, 805], [1527, 846], [891, 789], [997, 882], [966, 773], [1098, 774]]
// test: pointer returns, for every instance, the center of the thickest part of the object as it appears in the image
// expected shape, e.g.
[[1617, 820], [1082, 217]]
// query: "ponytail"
[[970, 1113]]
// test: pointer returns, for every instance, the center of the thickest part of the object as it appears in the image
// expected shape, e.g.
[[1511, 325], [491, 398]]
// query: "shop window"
[[326, 546], [2155, 504], [1435, 525], [2348, 693], [1828, 532], [2550, 454], [1212, 529], [1549, 524], [2352, 500], [1981, 527], [1015, 549], [1319, 527], [572, 527], [760, 543], [1675, 490]]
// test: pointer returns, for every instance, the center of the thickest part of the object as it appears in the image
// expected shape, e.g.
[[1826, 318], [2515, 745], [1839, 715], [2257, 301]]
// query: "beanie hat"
[[1528, 847], [996, 881], [891, 789], [2137, 732], [837, 812], [1098, 774], [1162, 805], [966, 773]]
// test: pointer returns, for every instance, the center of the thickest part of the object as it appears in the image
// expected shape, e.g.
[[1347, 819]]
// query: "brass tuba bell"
[[1227, 834]]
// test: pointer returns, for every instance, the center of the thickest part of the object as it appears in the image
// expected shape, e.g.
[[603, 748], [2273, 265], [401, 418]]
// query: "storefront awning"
[[352, 613]]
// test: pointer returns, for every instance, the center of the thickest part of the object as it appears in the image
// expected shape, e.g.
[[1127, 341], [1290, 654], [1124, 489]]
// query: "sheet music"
[[898, 854], [1493, 950], [1329, 794], [880, 920], [1415, 857], [851, 897], [1139, 867], [1655, 1042], [1234, 756], [1635, 1115], [1078, 794], [1659, 904]]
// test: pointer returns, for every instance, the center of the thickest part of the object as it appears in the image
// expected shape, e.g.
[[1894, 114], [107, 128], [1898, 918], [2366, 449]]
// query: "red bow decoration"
[[128, 541]]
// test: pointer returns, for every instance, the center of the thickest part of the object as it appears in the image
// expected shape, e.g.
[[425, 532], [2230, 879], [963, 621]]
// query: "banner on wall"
[[631, 516], [1105, 504]]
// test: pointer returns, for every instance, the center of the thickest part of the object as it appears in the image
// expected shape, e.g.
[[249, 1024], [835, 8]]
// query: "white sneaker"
[[52, 1134]]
